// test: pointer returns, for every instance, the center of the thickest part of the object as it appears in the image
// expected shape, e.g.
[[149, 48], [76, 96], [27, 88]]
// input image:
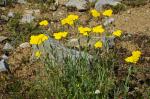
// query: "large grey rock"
[[100, 3], [79, 4], [7, 46], [2, 38], [59, 52]]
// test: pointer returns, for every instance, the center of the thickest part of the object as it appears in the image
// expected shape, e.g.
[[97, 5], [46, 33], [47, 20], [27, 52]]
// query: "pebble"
[[24, 45], [7, 46], [2, 38]]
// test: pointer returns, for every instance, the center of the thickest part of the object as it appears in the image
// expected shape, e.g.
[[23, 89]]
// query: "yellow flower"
[[134, 58], [98, 29], [84, 30], [108, 13], [43, 23], [98, 44], [95, 13], [59, 35], [69, 20], [117, 33], [37, 54], [136, 53], [73, 17], [38, 39]]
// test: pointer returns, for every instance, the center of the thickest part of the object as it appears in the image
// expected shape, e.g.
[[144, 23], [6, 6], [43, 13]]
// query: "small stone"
[[22, 1], [3, 17], [129, 12], [27, 18], [7, 46], [5, 57], [10, 14], [61, 2], [2, 65], [79, 4], [2, 38], [24, 45], [53, 7], [109, 21]]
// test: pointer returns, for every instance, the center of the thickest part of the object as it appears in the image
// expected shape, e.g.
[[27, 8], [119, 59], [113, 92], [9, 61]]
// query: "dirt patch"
[[135, 20]]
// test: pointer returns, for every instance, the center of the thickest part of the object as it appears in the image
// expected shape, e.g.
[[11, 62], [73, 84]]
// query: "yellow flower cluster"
[[37, 54], [84, 30], [98, 44], [59, 35], [108, 13], [117, 33], [43, 23], [69, 20], [134, 58], [95, 13], [98, 29], [38, 39]]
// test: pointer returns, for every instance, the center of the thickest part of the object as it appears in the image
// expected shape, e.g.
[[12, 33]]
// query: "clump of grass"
[[75, 79]]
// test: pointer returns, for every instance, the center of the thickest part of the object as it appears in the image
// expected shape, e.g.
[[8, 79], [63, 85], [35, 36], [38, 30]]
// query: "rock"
[[3, 2], [28, 16], [53, 7], [3, 17], [7, 46], [2, 38], [61, 2], [57, 52], [2, 65], [59, 14], [24, 45], [10, 14], [4, 56], [82, 42], [108, 21], [22, 1], [79, 4], [100, 3]]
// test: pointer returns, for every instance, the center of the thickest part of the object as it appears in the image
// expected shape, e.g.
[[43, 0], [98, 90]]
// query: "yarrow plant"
[[98, 29], [43, 23], [70, 19], [117, 33], [80, 77], [60, 35], [38, 39], [98, 44], [134, 58], [95, 13], [108, 13], [84, 30]]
